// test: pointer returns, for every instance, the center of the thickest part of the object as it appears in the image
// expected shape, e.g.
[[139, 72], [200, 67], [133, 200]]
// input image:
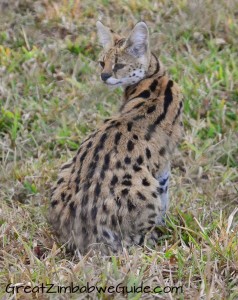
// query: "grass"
[[51, 98]]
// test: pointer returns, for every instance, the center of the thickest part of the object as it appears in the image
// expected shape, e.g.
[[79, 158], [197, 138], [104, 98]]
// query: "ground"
[[51, 98]]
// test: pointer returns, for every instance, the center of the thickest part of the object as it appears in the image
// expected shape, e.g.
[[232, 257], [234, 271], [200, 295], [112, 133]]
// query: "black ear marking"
[[137, 43], [137, 50]]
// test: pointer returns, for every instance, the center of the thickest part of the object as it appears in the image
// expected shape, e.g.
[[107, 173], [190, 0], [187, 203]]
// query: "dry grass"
[[50, 98]]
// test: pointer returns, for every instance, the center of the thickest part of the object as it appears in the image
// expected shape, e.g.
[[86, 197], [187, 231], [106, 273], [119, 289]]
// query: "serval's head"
[[124, 61]]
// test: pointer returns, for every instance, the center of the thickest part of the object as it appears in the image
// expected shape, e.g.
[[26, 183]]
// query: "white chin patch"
[[113, 81], [134, 77]]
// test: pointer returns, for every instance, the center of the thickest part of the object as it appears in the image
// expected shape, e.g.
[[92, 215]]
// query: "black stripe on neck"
[[157, 66]]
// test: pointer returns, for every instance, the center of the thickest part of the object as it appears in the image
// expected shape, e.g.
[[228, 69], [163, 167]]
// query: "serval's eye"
[[118, 67], [102, 63]]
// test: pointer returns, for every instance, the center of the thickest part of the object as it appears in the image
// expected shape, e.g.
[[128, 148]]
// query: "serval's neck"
[[156, 70]]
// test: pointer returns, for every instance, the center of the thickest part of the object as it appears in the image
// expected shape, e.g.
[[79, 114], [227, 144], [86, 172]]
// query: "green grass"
[[51, 98]]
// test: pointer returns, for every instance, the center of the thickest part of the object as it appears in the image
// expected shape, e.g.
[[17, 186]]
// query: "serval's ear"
[[137, 43], [104, 34]]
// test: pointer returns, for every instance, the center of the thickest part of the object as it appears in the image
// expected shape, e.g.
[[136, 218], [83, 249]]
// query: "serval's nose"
[[105, 76]]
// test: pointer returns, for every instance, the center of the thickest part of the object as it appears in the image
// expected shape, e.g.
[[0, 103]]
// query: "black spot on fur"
[[145, 94], [77, 189], [127, 160], [89, 144], [68, 198], [162, 151], [154, 195], [118, 164], [97, 189], [135, 137], [94, 212], [145, 182], [126, 182], [117, 138], [60, 180], [127, 176], [77, 180], [103, 138], [91, 169], [118, 202], [150, 206], [148, 153], [72, 208], [140, 160], [113, 221], [151, 109], [66, 166], [152, 216], [104, 208], [130, 205], [54, 203], [136, 168], [106, 234], [83, 156], [106, 162], [83, 216], [100, 146], [153, 85], [168, 95], [62, 196], [86, 186], [119, 219], [114, 180], [178, 112], [125, 192], [141, 196], [85, 200], [129, 126], [102, 174], [130, 145]]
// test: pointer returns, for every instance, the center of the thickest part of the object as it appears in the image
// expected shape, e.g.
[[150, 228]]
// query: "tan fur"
[[111, 193]]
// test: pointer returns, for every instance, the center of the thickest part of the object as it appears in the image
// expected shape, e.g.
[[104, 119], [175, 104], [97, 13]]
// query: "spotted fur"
[[115, 189]]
